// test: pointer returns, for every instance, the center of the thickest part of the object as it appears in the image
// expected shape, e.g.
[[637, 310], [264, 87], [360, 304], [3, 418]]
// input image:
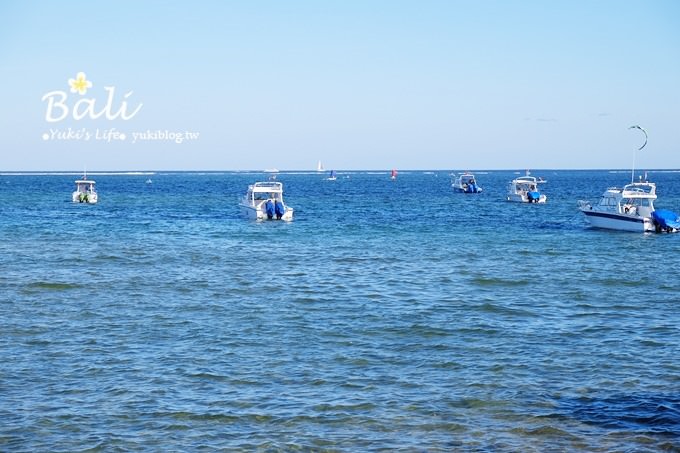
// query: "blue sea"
[[387, 316]]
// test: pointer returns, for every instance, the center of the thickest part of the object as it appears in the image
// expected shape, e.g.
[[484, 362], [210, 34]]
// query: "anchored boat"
[[85, 191], [264, 201], [630, 208], [466, 183], [524, 189]]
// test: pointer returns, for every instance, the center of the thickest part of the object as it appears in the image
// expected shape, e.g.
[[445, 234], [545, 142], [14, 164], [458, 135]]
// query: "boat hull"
[[258, 213], [81, 197], [619, 222], [461, 190], [524, 199]]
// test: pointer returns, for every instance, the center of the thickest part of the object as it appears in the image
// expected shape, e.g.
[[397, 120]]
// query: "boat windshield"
[[637, 201], [607, 201], [84, 187], [259, 195], [524, 185]]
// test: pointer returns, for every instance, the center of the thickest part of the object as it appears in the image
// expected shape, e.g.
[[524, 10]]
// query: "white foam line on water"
[[99, 173]]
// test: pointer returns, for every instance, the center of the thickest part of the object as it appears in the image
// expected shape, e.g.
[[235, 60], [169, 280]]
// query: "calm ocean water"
[[386, 316]]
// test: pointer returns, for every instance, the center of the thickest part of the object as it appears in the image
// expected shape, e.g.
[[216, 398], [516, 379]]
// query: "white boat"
[[319, 166], [85, 191], [393, 175], [332, 176], [466, 183], [264, 201], [630, 208], [524, 189]]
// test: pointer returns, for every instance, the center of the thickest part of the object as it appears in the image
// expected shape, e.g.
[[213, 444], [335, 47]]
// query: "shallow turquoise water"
[[387, 315]]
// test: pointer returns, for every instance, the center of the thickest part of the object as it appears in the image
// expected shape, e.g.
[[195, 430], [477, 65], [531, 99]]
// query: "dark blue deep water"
[[386, 316]]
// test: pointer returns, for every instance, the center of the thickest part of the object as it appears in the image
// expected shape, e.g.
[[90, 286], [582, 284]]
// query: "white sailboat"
[[319, 166]]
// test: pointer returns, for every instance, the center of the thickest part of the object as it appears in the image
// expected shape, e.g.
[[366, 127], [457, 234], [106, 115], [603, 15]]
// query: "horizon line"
[[311, 171]]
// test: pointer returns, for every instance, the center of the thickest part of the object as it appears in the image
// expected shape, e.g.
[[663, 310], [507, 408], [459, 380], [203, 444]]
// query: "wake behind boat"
[[264, 201], [466, 183]]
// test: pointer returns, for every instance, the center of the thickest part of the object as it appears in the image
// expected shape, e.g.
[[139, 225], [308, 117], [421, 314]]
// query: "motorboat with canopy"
[[264, 201]]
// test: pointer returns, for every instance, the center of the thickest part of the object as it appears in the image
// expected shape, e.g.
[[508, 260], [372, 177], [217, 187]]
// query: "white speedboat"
[[264, 201], [524, 189], [630, 208], [466, 183], [85, 191]]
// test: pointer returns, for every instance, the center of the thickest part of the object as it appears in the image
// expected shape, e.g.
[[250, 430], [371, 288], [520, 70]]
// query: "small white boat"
[[524, 189], [264, 201], [85, 191], [319, 167], [630, 208], [393, 175], [466, 183], [332, 176]]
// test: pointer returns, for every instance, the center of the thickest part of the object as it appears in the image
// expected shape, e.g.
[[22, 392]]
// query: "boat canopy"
[[639, 190], [265, 190], [269, 187]]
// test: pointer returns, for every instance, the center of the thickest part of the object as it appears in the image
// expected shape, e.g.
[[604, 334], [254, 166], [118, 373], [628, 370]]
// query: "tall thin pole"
[[632, 173]]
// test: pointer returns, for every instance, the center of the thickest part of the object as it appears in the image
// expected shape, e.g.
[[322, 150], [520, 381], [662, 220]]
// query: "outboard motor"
[[666, 220], [533, 197], [280, 210], [269, 209]]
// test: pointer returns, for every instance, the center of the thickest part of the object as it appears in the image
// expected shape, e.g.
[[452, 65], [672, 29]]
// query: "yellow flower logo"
[[80, 84]]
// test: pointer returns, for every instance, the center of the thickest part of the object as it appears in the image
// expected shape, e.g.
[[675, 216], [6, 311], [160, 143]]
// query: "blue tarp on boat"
[[269, 209], [533, 196], [666, 219], [280, 210]]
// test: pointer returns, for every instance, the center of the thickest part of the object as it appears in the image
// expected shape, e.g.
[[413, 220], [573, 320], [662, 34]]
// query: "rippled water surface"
[[387, 315]]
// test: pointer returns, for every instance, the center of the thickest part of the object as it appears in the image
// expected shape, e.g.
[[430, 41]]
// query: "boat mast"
[[632, 172]]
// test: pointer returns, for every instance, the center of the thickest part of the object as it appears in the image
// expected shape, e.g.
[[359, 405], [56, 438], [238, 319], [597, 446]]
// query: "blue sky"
[[356, 84]]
